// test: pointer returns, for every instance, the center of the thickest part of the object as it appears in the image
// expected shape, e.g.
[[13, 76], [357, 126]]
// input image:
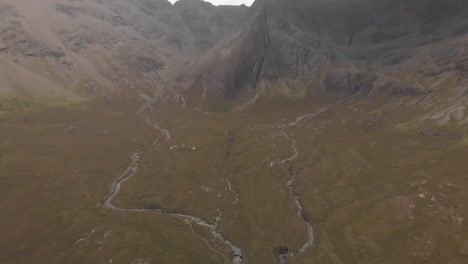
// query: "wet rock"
[[281, 253]]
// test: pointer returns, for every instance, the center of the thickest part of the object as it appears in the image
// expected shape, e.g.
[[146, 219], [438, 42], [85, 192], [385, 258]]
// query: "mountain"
[[290, 131], [229, 55], [295, 49], [77, 50]]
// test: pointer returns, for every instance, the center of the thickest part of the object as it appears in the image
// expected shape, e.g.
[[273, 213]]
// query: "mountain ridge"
[[306, 131], [102, 49], [227, 57], [336, 55]]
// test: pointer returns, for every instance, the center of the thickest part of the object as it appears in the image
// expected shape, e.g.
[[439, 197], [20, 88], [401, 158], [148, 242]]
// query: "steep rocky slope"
[[73, 50], [207, 23], [295, 49], [228, 57]]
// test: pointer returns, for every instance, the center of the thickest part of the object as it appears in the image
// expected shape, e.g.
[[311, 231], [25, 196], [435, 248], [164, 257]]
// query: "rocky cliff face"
[[232, 56], [207, 23], [295, 49]]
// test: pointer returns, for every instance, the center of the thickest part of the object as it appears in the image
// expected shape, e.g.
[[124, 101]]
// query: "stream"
[[284, 252], [237, 256], [132, 170]]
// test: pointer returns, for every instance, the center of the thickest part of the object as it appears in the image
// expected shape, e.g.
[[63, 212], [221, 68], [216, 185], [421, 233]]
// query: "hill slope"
[[80, 49]]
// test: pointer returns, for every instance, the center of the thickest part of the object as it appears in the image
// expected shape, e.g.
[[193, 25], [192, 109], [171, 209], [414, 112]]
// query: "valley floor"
[[378, 183]]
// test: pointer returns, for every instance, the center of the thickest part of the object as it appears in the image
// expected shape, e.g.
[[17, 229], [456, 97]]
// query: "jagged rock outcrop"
[[345, 47], [232, 56], [208, 23]]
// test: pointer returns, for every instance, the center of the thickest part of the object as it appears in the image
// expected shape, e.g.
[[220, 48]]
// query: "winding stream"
[[132, 170], [297, 201], [284, 252], [237, 256]]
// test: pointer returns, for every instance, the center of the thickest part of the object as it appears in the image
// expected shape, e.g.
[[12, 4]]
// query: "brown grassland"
[[379, 183]]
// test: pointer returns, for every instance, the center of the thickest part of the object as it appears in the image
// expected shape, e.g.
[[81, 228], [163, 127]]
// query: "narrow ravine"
[[132, 170]]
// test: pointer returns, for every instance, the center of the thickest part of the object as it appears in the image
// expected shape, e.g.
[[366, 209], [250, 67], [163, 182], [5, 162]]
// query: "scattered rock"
[[33, 48], [146, 64], [78, 42], [281, 251], [183, 147], [66, 64], [70, 129], [140, 261], [338, 80], [437, 133], [399, 89], [371, 122]]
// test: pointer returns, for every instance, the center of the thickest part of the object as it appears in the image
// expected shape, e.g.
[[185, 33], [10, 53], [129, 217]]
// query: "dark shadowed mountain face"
[[209, 24], [302, 47]]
